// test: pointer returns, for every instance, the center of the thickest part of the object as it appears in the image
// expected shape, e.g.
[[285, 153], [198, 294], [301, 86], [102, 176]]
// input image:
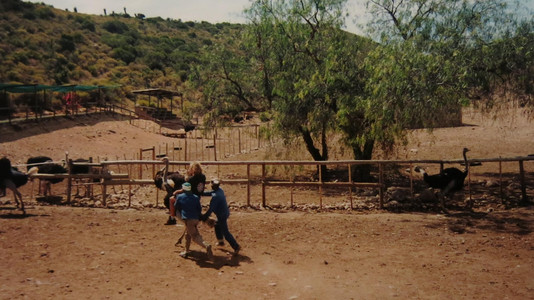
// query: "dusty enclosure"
[[405, 251]]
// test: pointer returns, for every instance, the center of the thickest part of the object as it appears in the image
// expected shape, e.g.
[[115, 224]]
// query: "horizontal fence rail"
[[139, 168]]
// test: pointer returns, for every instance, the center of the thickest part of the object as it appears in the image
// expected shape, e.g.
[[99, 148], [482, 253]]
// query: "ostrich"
[[77, 169], [11, 178], [50, 168], [34, 162], [169, 182], [448, 181]]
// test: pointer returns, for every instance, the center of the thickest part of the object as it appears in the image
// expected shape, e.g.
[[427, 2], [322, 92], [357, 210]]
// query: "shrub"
[[115, 26], [85, 23], [45, 13], [66, 43]]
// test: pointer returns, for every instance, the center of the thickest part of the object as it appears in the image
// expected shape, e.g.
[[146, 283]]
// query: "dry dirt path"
[[82, 253]]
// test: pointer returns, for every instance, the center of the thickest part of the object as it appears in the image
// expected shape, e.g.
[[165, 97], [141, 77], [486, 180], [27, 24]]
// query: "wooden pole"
[[104, 186], [140, 166], [69, 179], [500, 180], [153, 158], [350, 187], [258, 135], [202, 147], [524, 197], [185, 146], [196, 146], [469, 185], [231, 139], [320, 187], [263, 202], [411, 181], [381, 183], [215, 144], [239, 139], [248, 184], [292, 179]]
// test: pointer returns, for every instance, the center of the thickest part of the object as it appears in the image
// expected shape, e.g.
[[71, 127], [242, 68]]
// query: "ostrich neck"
[[466, 163]]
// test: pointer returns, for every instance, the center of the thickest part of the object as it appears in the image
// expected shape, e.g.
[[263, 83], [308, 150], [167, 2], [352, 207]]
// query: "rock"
[[491, 183], [427, 196]]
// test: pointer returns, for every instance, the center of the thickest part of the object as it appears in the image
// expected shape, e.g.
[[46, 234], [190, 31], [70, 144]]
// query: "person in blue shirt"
[[188, 204], [219, 207]]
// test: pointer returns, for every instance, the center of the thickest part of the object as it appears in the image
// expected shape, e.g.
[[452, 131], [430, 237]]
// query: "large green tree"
[[298, 45]]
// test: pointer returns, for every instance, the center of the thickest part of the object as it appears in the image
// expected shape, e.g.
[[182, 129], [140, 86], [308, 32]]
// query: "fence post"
[[104, 185], [140, 165], [69, 179], [350, 187], [258, 135], [185, 147], [239, 139], [292, 174], [263, 184], [381, 183], [215, 145], [524, 197], [320, 186], [500, 180], [153, 158], [248, 185]]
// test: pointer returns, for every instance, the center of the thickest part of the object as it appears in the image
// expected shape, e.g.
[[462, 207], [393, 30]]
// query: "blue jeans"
[[222, 231]]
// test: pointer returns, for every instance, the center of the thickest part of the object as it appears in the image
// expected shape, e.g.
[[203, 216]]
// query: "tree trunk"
[[315, 153], [362, 173]]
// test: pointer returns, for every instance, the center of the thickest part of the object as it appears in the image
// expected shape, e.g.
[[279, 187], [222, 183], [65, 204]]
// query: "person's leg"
[[192, 229], [187, 241], [223, 224], [219, 234], [172, 212]]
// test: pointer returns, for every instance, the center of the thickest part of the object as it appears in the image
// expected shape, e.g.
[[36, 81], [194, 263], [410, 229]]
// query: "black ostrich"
[[11, 178], [169, 182], [50, 168], [448, 181], [36, 161], [77, 169], [173, 181]]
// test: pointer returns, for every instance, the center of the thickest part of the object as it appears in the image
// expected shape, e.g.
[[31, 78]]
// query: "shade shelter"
[[160, 94], [5, 88]]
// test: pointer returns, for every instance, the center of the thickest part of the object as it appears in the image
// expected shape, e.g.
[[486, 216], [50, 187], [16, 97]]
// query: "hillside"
[[41, 44]]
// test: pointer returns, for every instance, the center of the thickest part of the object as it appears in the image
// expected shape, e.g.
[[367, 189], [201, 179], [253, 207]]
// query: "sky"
[[212, 11]]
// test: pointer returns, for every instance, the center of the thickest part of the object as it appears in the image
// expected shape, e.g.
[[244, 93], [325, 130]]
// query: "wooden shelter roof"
[[157, 92]]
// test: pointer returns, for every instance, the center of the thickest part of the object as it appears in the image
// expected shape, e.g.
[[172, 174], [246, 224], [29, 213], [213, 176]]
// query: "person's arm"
[[207, 193], [180, 191], [207, 214], [177, 205]]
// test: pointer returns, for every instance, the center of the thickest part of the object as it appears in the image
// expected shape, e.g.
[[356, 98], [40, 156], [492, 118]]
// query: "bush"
[[115, 26], [85, 23], [127, 54], [66, 43], [45, 13]]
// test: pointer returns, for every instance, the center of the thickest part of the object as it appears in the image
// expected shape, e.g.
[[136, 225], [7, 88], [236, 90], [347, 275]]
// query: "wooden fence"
[[263, 180]]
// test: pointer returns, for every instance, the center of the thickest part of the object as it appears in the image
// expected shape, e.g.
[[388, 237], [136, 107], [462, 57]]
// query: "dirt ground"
[[69, 252]]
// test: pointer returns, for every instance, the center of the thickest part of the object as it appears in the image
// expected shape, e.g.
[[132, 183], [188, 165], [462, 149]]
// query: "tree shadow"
[[514, 222]]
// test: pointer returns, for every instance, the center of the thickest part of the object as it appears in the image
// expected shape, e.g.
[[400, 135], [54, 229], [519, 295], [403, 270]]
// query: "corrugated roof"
[[32, 88]]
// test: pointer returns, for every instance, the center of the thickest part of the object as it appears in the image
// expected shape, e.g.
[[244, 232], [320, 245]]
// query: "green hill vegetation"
[[40, 44]]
